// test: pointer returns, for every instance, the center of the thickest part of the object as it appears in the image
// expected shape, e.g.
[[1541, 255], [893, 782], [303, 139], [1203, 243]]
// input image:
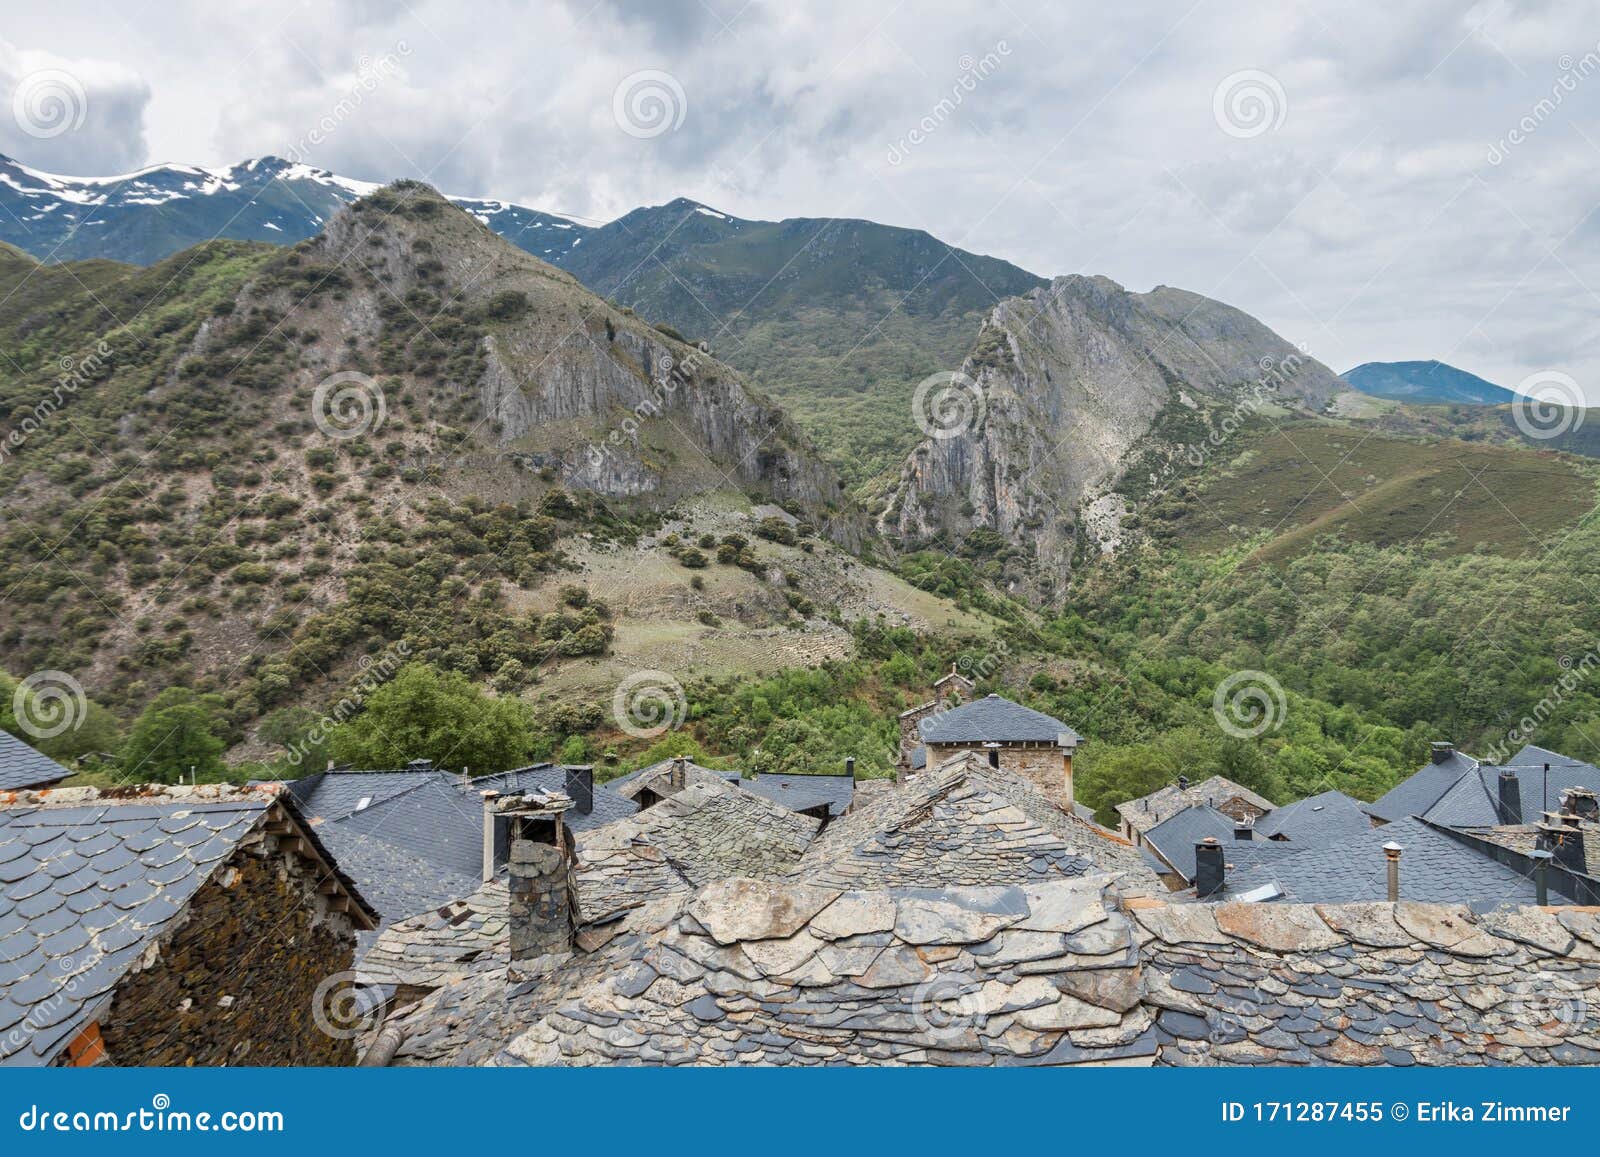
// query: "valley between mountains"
[[408, 441]]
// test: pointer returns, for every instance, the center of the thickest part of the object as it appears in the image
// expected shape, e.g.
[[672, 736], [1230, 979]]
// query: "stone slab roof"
[[963, 823], [1053, 973], [712, 829], [757, 972], [805, 792], [1370, 984], [994, 719], [23, 766], [443, 945], [1434, 868], [1147, 811], [89, 878]]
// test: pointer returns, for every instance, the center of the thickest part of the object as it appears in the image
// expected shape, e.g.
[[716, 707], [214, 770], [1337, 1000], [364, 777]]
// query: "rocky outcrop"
[[1064, 387], [558, 378]]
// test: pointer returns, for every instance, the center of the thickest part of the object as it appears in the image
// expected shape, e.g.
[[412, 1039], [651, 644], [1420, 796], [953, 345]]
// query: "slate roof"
[[332, 795], [1174, 838], [87, 879], [1418, 792], [804, 792], [23, 766], [608, 804], [1147, 811], [1434, 868], [994, 719], [963, 822], [1524, 838], [413, 850], [1471, 801], [1315, 820], [1370, 984]]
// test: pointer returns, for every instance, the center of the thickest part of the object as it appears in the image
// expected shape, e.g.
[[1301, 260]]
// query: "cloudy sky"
[[1392, 181]]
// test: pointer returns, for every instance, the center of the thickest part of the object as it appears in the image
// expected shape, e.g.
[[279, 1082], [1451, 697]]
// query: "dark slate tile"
[[1182, 1024]]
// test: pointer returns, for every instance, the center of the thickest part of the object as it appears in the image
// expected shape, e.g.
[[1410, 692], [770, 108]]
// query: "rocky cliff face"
[[1065, 388]]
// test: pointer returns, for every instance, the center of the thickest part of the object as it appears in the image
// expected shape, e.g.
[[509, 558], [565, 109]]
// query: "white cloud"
[[71, 114], [1369, 223]]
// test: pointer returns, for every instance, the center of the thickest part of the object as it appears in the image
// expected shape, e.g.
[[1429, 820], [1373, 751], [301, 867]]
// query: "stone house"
[[1010, 737], [171, 926], [949, 690], [1233, 800]]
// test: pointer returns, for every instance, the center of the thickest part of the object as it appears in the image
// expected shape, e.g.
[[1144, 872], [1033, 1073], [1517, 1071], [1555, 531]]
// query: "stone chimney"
[[1582, 803], [1442, 750], [678, 777], [580, 787], [1391, 855], [490, 820], [540, 880], [1509, 806], [1209, 867], [1561, 833], [1068, 744]]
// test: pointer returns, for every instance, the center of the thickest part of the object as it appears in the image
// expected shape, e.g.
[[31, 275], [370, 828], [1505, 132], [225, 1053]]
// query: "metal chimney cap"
[[1392, 849], [1541, 854]]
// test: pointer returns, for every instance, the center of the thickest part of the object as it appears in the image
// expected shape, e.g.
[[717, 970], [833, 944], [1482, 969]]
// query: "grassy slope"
[[1310, 479]]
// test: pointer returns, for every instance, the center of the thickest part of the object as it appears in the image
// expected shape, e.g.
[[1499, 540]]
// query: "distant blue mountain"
[[1426, 382]]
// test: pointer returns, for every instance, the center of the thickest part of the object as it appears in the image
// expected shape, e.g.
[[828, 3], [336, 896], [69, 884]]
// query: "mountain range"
[[836, 318]]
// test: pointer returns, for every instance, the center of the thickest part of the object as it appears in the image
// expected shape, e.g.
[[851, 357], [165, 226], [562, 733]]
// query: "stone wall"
[[910, 737], [1044, 765], [234, 981]]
